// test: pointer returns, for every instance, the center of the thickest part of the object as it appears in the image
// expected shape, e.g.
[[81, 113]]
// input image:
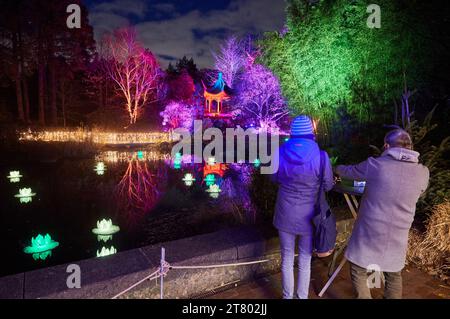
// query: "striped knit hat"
[[302, 125]]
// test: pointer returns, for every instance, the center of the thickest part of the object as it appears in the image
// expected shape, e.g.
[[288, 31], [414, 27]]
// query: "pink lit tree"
[[133, 68]]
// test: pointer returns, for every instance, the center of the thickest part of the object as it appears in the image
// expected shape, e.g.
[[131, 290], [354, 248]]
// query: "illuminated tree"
[[230, 60], [178, 114], [329, 58], [133, 68], [258, 96]]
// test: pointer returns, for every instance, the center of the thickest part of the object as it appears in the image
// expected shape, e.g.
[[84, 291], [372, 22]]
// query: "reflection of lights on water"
[[211, 161], [42, 256], [106, 251], [25, 195], [257, 163], [14, 176], [214, 191], [100, 168], [41, 247], [188, 179], [126, 156], [177, 161], [104, 238], [105, 227], [210, 179]]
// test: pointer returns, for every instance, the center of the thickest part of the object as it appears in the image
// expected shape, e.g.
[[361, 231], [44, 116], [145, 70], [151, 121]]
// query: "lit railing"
[[97, 137]]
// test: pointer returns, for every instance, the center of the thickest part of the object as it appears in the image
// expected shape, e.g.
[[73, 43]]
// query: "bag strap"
[[321, 173]]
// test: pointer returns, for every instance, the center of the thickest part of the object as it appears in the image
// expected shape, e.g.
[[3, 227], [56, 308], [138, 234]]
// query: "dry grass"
[[430, 250]]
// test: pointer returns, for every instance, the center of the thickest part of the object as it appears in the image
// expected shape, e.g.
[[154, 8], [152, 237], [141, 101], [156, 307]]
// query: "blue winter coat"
[[298, 179]]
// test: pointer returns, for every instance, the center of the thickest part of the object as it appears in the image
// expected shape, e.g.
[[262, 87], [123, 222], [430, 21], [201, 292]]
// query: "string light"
[[97, 137]]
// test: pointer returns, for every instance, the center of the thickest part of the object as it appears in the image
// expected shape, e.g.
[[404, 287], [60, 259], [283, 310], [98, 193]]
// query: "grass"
[[430, 250]]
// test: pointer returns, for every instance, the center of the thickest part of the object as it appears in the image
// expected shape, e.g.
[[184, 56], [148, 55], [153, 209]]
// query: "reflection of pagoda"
[[216, 95]]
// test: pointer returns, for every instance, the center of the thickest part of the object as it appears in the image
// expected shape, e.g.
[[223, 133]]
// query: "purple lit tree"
[[230, 60], [178, 115], [133, 68], [258, 97]]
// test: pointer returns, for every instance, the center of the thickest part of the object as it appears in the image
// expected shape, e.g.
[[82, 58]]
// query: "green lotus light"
[[257, 163], [105, 227], [188, 179], [286, 139], [25, 195], [210, 179], [14, 176], [214, 191], [100, 168], [106, 252], [140, 155], [177, 161], [41, 247]]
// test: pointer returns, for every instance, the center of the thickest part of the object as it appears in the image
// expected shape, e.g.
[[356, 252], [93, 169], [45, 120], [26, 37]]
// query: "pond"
[[131, 198]]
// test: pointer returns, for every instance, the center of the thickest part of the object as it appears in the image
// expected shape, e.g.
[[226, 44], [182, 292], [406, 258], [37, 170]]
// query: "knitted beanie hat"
[[302, 125]]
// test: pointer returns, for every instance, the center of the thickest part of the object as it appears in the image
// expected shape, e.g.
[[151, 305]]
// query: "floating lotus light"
[[214, 191], [177, 161], [25, 195], [210, 179], [140, 155], [100, 168], [286, 139], [41, 247], [14, 176], [188, 179], [105, 227], [106, 252], [257, 163]]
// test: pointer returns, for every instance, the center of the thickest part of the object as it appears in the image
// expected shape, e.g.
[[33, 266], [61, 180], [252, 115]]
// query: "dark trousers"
[[393, 287]]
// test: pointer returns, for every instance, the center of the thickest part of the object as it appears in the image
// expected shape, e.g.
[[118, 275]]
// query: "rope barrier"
[[221, 265], [164, 268], [152, 276]]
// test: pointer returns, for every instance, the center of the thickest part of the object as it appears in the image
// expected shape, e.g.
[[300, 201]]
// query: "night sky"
[[172, 29]]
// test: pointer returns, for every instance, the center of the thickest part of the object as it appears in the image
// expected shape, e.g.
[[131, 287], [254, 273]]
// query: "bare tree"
[[133, 68], [230, 60]]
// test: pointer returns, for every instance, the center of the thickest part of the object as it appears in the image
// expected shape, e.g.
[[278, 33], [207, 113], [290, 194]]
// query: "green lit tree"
[[329, 58]]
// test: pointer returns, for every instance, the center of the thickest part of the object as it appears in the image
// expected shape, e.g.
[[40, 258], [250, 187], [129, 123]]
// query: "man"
[[394, 183]]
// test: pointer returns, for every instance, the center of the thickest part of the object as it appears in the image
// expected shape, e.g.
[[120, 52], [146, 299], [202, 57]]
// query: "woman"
[[298, 178]]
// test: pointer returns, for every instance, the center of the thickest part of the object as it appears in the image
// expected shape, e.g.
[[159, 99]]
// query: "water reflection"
[[139, 189], [106, 251]]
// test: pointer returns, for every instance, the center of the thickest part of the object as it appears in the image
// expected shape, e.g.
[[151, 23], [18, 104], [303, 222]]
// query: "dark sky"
[[193, 28]]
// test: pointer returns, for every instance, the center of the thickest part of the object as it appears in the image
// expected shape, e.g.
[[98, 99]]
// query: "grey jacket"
[[394, 183], [298, 178]]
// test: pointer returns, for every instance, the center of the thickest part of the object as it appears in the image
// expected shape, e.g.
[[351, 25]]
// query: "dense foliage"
[[330, 59]]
